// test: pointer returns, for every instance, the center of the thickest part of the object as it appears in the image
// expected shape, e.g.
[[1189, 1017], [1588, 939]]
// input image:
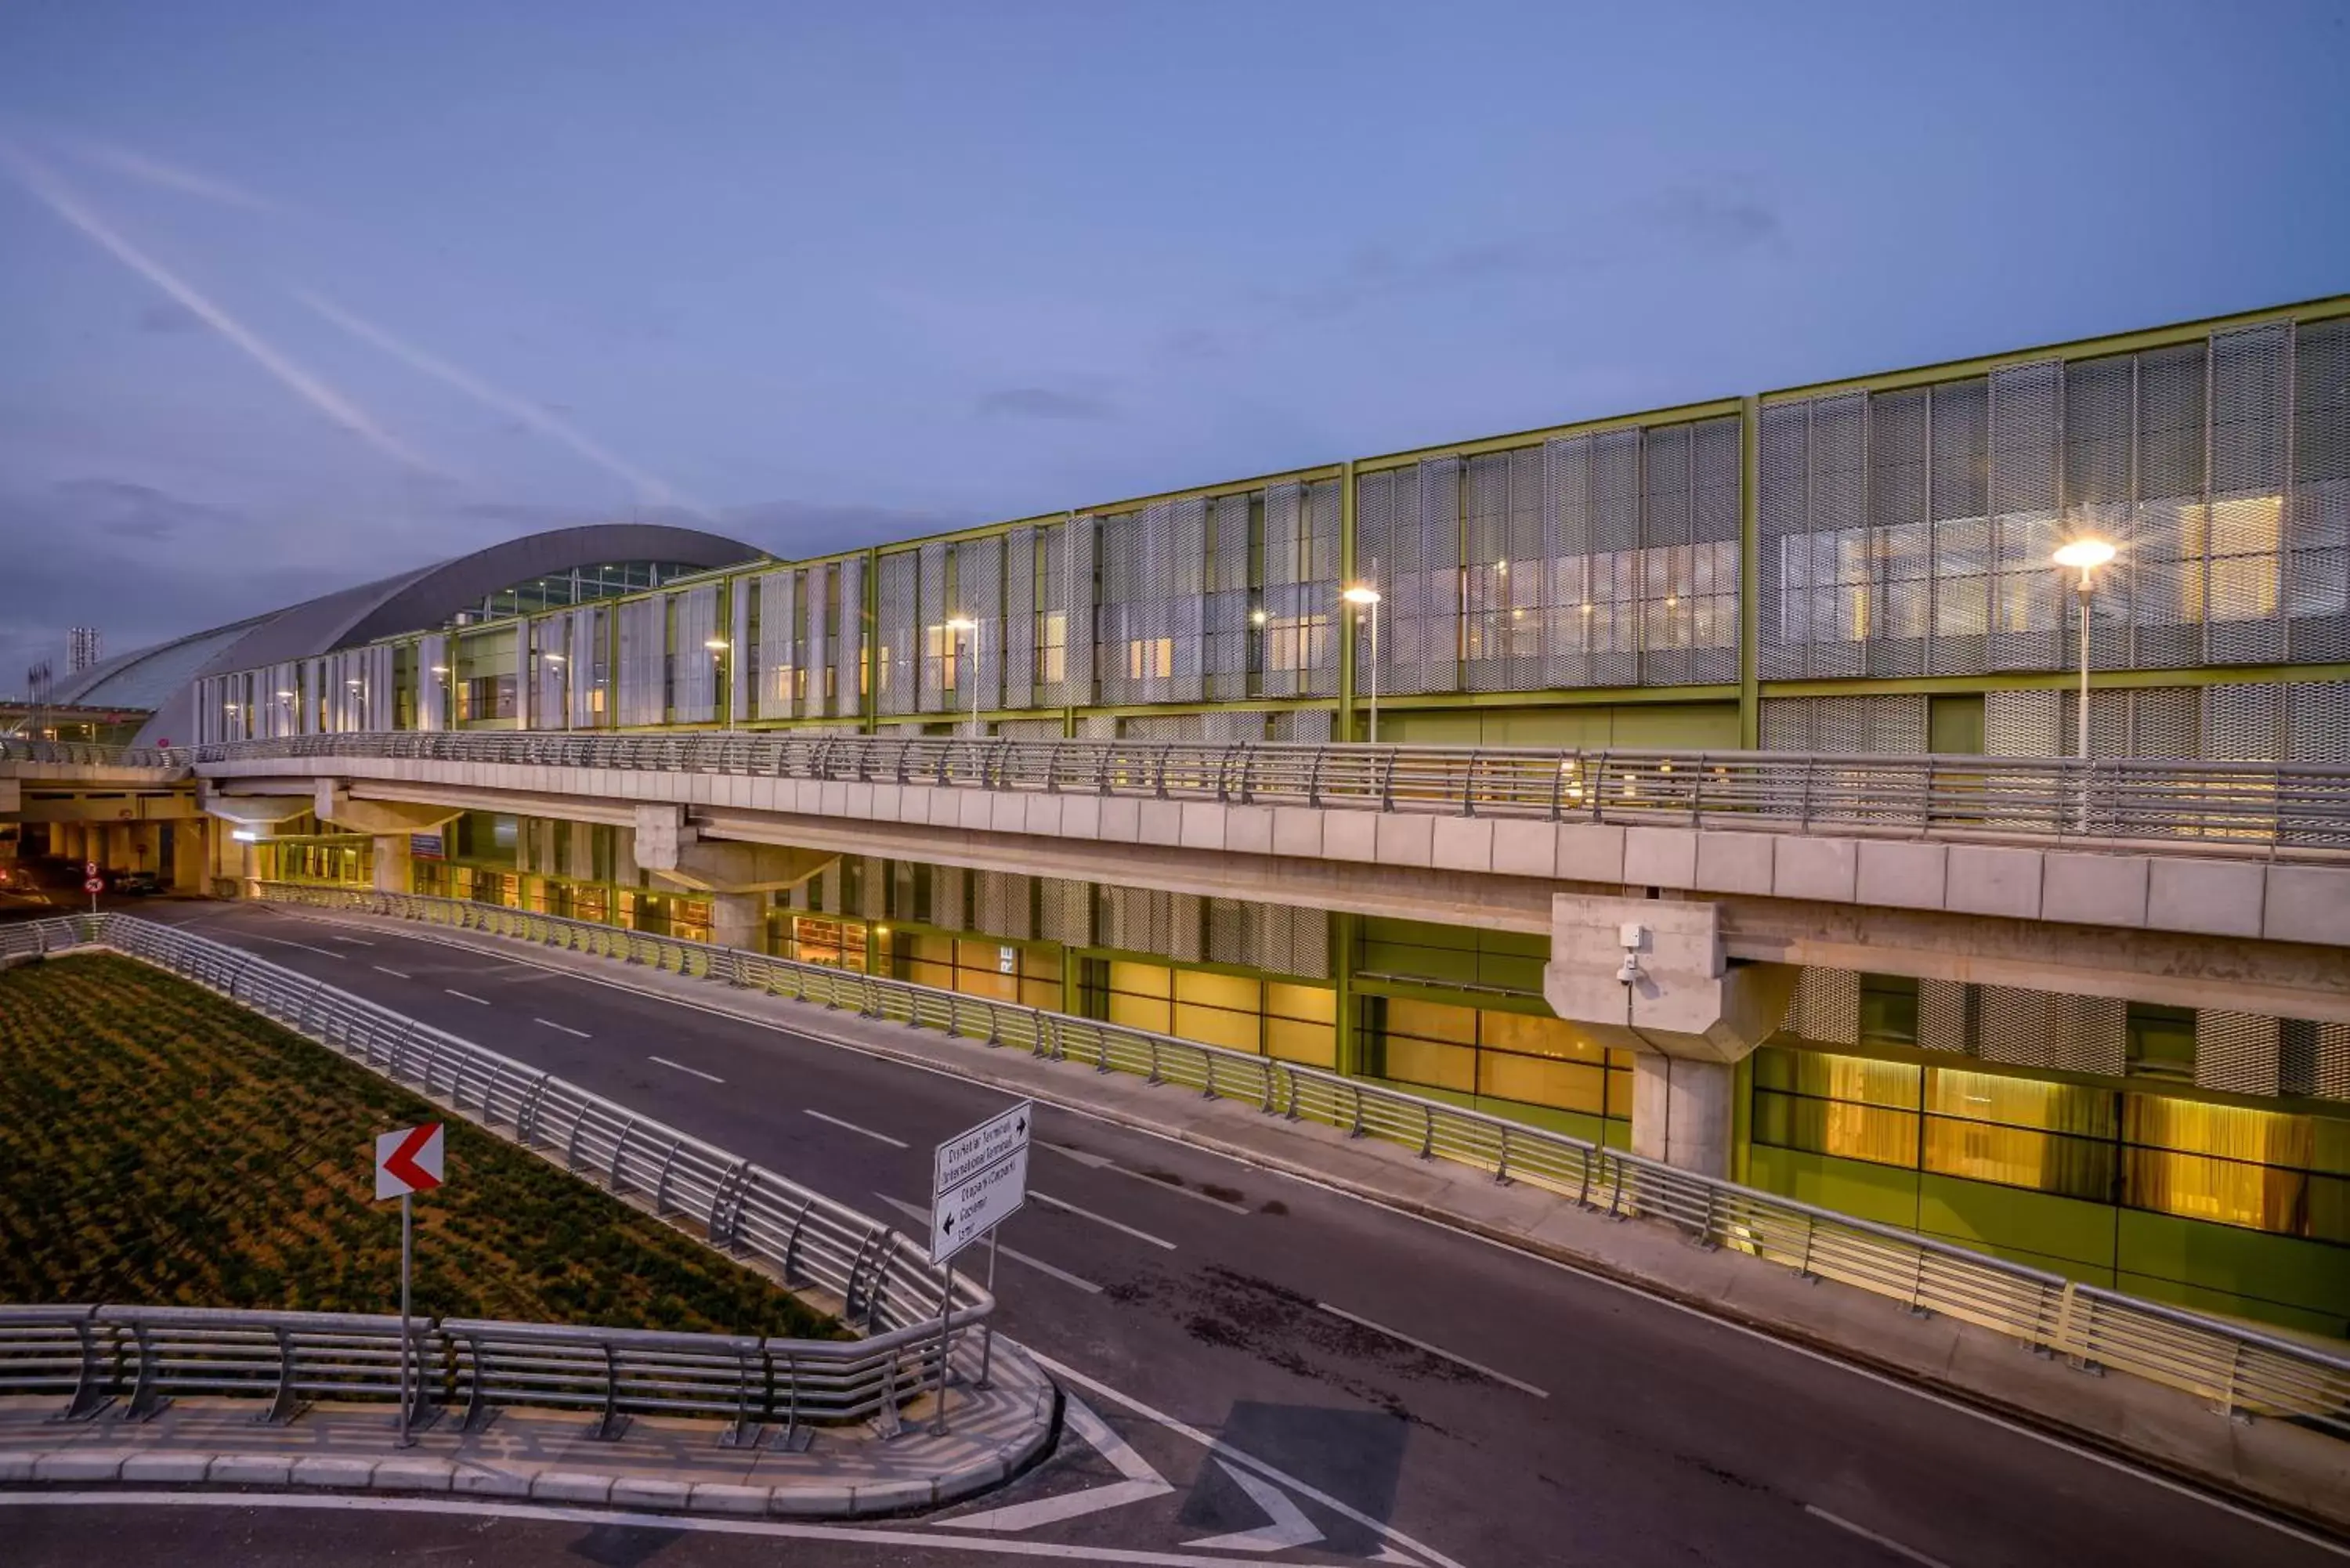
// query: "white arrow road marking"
[[1040, 1266], [1067, 1374], [1141, 1484], [1289, 1527]]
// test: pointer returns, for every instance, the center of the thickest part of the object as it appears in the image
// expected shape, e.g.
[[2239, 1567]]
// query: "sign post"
[[978, 1180], [408, 1161]]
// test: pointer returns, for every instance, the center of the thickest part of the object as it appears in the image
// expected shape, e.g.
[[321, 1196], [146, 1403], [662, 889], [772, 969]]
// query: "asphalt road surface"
[[1381, 1388]]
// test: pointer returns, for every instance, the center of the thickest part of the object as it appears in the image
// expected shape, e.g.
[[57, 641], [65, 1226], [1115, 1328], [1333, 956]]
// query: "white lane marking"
[[465, 995], [869, 1132], [395, 974], [306, 947], [1312, 1494], [813, 1031], [1141, 1483], [836, 1534], [1090, 1161], [1179, 1190], [356, 941], [913, 1211], [583, 1035], [1066, 1207], [1438, 1351], [1890, 1545], [1290, 1526], [667, 1063]]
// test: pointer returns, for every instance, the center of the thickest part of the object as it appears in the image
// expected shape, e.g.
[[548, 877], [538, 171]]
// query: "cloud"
[[1044, 403], [165, 176], [60, 199], [1717, 221], [120, 509], [649, 489], [164, 318]]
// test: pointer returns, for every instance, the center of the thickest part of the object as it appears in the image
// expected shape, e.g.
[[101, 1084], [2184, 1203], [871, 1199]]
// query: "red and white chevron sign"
[[409, 1160]]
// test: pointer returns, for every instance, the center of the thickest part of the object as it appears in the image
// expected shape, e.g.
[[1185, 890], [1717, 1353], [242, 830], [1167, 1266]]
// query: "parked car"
[[139, 882]]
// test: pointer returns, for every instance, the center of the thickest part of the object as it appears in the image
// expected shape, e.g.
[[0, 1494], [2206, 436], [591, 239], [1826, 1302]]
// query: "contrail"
[[170, 177], [649, 488], [60, 199]]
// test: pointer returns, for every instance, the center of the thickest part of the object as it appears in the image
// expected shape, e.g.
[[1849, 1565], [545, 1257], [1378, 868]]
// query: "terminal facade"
[[1862, 565]]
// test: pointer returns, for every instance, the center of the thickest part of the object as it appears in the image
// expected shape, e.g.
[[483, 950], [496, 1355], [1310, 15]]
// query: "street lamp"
[[965, 625], [562, 668], [2085, 555], [1363, 596]]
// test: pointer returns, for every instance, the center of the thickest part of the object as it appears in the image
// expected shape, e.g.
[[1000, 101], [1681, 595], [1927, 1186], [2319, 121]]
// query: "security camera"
[[1632, 934], [1628, 971]]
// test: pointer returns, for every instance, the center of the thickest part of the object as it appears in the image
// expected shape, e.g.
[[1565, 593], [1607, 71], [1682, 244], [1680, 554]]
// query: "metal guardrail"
[[88, 753], [2238, 1368], [885, 1284], [2239, 808]]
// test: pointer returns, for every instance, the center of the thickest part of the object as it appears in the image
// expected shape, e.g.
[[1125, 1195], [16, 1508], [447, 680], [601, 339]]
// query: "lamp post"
[[965, 625], [2085, 555], [722, 700], [448, 695], [1362, 596]]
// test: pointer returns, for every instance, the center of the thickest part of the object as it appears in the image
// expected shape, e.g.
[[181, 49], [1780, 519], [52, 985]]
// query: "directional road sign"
[[964, 1214], [964, 1155], [409, 1160], [979, 1179]]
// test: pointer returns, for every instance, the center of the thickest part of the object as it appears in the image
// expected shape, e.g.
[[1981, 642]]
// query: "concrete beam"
[[256, 810], [333, 804], [104, 808], [727, 869], [1641, 974]]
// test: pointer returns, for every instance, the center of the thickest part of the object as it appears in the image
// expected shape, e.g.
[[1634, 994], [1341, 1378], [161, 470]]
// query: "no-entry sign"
[[409, 1160], [93, 886]]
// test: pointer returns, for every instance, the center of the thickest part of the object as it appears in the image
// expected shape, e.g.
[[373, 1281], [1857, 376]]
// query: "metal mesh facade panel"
[[897, 636], [642, 677], [1826, 1007], [2042, 1029], [979, 594], [2238, 1052], [949, 902], [2314, 1059], [2317, 522], [850, 633], [547, 705], [1187, 928], [2024, 724], [2027, 592], [819, 626], [1227, 630], [780, 665], [1074, 583], [1020, 618], [1006, 906], [431, 688], [1894, 722], [1304, 726], [2249, 424], [694, 682], [939, 647], [1067, 911], [1946, 1016]]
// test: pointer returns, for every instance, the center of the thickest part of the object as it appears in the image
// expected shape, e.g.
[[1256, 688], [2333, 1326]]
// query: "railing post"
[[281, 1404], [1356, 1130]]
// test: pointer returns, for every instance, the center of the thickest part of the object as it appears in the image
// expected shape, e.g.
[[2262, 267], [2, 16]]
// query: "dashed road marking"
[[395, 974], [667, 1063], [1912, 1553], [306, 947], [914, 1212], [1063, 1204], [583, 1035], [867, 1132], [1225, 1204], [466, 995]]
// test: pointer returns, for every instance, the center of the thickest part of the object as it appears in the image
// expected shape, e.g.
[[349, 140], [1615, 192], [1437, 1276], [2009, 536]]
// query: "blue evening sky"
[[292, 294]]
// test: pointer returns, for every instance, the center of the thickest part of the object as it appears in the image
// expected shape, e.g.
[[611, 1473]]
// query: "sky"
[[295, 295]]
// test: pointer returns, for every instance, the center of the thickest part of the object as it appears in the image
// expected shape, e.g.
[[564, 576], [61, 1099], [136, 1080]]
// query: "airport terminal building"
[[1857, 567]]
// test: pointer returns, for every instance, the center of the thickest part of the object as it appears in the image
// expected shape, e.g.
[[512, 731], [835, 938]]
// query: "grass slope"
[[162, 1146]]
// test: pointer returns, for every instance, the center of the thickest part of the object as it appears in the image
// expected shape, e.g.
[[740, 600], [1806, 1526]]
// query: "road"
[[1404, 1389]]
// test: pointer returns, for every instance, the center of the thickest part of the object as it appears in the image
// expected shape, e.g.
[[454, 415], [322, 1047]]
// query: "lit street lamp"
[[1362, 596], [965, 625], [562, 668], [2085, 555]]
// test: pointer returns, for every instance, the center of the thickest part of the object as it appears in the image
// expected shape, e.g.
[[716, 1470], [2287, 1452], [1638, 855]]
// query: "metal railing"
[[886, 1287], [2244, 808], [2238, 1368], [2235, 808]]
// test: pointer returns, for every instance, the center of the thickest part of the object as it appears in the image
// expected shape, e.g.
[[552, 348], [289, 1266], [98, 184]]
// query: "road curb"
[[81, 1466]]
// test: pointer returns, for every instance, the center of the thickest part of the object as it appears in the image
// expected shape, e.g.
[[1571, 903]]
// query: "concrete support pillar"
[[739, 920], [1681, 1109], [1644, 974], [145, 846], [390, 861], [65, 840]]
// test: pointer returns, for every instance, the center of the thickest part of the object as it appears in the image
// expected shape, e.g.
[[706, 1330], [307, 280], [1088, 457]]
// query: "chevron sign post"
[[408, 1161]]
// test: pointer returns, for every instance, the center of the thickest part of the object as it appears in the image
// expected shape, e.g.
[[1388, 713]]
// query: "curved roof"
[[162, 678]]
